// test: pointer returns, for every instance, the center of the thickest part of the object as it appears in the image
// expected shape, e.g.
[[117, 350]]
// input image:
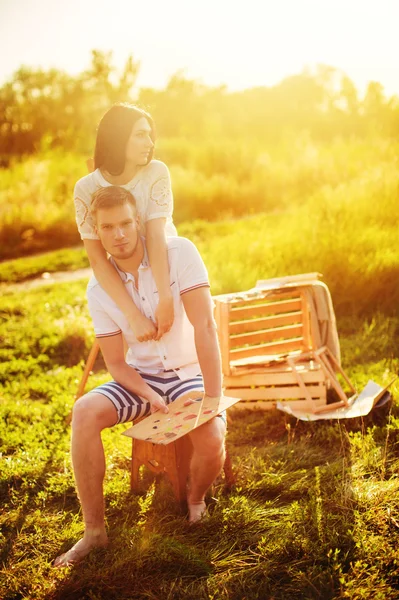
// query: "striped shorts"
[[130, 406]]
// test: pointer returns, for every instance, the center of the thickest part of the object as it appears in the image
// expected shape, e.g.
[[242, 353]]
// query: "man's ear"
[[94, 220], [138, 221]]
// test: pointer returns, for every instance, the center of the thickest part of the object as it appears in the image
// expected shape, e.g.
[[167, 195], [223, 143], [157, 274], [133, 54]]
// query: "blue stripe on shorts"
[[130, 407]]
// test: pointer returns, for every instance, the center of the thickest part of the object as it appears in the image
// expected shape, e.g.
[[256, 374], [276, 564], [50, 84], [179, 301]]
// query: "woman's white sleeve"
[[83, 217], [160, 201]]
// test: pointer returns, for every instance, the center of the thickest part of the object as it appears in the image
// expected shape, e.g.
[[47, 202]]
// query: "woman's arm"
[[107, 276], [158, 254]]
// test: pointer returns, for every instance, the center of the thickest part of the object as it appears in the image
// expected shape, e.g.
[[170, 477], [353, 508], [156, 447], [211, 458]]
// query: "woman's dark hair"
[[113, 133]]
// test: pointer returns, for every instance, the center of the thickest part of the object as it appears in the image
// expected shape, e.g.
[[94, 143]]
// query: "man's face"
[[117, 228], [139, 143]]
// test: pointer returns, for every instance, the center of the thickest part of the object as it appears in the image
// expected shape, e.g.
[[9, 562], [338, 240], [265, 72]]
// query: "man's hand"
[[164, 315], [143, 328], [157, 403]]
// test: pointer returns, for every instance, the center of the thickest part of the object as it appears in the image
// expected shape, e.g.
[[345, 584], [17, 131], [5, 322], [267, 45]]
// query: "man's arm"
[[198, 305], [113, 353]]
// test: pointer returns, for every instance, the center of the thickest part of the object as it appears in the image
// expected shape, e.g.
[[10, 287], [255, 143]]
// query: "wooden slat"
[[306, 322], [261, 361], [235, 300], [299, 279], [261, 310], [329, 407], [256, 365], [271, 404], [267, 335], [271, 327], [265, 323], [303, 362], [222, 312], [268, 379], [88, 367], [256, 405], [299, 379], [275, 348], [339, 369], [275, 393]]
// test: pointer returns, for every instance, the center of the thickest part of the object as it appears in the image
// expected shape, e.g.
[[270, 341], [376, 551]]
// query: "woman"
[[123, 157]]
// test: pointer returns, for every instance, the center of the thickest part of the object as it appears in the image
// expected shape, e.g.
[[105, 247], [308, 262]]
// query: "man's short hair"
[[110, 196]]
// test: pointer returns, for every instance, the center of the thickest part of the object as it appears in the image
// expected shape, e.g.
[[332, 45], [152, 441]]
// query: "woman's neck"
[[128, 173]]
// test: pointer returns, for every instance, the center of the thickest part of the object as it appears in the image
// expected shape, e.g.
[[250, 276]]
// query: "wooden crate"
[[266, 346]]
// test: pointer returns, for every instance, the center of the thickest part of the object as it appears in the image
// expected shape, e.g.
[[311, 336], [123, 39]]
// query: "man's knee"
[[93, 411], [208, 440]]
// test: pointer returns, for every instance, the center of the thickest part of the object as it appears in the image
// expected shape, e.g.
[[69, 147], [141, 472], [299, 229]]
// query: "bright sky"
[[240, 43]]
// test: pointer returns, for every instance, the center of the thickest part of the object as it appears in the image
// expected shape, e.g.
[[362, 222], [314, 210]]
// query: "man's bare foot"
[[80, 550], [196, 511]]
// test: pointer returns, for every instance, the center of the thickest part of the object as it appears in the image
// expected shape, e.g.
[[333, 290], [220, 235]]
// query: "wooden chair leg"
[[134, 472], [82, 384], [88, 367], [322, 360], [173, 460]]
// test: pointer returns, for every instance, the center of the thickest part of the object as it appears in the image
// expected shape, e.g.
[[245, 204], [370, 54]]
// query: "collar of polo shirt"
[[145, 263]]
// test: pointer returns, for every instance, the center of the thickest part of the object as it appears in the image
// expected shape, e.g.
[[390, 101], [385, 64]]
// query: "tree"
[[61, 108]]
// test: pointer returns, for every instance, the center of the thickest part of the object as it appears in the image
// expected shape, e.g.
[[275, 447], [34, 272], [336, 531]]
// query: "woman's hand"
[[142, 327], [165, 315]]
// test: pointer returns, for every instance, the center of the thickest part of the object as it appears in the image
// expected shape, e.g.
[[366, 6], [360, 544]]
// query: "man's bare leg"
[[91, 414], [206, 463]]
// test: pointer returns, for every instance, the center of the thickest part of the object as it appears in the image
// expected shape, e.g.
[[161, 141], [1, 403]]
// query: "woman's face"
[[139, 143]]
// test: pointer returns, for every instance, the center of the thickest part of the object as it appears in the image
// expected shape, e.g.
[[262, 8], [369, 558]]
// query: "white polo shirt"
[[176, 349]]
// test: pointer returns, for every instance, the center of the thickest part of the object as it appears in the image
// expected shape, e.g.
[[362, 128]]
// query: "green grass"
[[352, 243], [305, 206], [314, 513], [22, 269], [217, 180]]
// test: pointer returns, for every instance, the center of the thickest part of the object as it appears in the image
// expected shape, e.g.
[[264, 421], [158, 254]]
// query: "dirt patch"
[[49, 278]]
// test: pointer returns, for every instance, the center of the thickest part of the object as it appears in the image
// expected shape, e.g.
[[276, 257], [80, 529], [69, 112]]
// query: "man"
[[185, 359]]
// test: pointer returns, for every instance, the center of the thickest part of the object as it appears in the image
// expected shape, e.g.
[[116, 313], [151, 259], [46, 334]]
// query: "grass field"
[[336, 183], [300, 206], [314, 514], [353, 245]]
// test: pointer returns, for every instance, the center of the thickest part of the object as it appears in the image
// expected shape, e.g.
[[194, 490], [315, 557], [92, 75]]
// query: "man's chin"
[[122, 253]]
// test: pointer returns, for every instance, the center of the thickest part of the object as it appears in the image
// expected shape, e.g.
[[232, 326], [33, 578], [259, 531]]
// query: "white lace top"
[[150, 186]]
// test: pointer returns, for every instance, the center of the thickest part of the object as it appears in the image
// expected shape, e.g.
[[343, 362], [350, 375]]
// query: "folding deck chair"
[[272, 347]]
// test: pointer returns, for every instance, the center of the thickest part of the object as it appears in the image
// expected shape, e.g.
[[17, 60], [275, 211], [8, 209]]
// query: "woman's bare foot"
[[81, 549], [196, 511]]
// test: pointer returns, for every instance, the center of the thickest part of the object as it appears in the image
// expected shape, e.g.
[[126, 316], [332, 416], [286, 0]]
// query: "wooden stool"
[[172, 459]]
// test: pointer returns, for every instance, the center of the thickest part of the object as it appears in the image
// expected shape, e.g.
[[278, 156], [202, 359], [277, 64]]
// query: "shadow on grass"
[[285, 531], [303, 475], [291, 540], [29, 492], [146, 550]]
